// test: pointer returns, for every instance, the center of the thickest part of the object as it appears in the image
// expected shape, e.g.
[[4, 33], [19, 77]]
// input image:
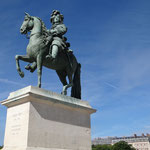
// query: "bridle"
[[27, 35]]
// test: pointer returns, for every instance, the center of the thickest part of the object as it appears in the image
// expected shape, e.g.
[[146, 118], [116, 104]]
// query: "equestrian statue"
[[50, 48]]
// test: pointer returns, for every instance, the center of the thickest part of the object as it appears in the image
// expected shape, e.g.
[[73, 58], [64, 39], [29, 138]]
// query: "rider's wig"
[[55, 13]]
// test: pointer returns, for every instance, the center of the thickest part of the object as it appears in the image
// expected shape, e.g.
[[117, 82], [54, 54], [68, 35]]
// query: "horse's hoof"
[[31, 70], [64, 93], [21, 74], [27, 67], [39, 86]]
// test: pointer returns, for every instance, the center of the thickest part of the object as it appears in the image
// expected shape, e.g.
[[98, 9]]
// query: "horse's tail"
[[76, 88]]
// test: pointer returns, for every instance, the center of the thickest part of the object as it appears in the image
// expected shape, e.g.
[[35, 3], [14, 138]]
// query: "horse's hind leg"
[[39, 68], [70, 82], [62, 76], [24, 58], [68, 72]]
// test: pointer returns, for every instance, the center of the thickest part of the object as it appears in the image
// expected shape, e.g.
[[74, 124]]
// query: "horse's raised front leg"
[[24, 58], [39, 68], [32, 67]]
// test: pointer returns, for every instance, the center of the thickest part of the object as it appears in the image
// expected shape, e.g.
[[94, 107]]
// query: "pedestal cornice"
[[31, 93]]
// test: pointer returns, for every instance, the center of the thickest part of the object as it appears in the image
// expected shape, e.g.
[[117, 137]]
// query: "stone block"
[[38, 119]]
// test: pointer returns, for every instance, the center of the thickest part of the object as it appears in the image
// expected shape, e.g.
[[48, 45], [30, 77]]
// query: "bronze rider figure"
[[56, 38]]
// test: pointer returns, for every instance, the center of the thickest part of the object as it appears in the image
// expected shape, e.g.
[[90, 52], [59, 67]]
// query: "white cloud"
[[10, 82]]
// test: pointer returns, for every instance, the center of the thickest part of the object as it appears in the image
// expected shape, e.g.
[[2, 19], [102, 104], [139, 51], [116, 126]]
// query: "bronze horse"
[[65, 65]]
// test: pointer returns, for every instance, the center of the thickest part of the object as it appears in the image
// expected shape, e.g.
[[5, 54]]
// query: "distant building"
[[102, 141], [139, 142]]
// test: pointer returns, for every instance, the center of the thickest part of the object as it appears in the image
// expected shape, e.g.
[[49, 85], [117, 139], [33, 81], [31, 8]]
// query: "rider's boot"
[[50, 57], [53, 54]]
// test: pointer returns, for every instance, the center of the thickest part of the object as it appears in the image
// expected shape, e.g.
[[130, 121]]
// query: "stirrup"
[[48, 56]]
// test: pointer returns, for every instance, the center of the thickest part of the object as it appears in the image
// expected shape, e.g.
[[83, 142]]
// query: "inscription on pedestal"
[[16, 127]]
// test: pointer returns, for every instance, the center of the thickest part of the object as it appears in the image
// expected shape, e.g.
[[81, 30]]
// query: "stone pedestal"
[[43, 120]]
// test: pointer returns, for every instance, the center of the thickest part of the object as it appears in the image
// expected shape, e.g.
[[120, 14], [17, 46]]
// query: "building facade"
[[138, 142]]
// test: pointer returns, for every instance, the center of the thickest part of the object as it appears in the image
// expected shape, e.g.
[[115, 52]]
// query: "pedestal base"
[[42, 120]]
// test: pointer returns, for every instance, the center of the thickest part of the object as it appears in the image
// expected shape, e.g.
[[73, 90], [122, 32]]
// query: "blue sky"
[[111, 40]]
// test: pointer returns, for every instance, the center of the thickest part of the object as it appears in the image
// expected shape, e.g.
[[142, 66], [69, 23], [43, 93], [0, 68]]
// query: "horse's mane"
[[44, 29]]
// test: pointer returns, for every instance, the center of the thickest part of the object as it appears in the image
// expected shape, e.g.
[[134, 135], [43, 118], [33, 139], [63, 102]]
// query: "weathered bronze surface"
[[50, 48]]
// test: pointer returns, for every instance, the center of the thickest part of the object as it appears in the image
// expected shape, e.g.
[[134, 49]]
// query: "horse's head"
[[27, 24]]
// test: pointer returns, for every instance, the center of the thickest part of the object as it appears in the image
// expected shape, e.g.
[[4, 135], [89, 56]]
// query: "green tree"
[[122, 145], [1, 147], [102, 147]]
